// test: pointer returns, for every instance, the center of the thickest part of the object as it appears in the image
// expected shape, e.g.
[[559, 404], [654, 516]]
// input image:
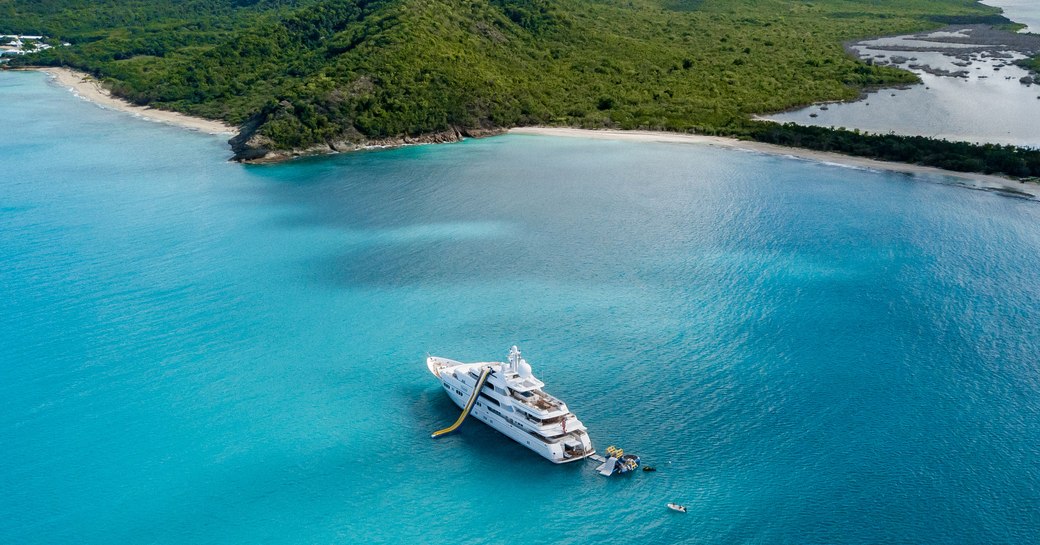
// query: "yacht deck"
[[539, 400]]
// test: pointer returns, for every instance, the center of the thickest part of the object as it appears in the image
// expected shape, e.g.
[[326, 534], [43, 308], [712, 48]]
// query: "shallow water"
[[1026, 12], [988, 105], [199, 352]]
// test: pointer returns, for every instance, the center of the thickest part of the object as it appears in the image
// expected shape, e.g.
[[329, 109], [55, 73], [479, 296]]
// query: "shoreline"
[[976, 181], [87, 87], [942, 59]]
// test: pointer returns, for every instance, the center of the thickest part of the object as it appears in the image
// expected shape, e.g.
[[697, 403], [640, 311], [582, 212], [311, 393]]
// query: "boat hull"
[[571, 447]]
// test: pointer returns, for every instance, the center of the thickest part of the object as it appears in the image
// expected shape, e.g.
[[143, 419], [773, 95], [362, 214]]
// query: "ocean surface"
[[195, 351]]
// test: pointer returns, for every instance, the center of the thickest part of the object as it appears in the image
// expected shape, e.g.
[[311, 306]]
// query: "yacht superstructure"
[[507, 397]]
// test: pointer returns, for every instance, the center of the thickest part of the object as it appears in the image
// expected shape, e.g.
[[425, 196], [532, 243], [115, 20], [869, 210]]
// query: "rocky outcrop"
[[441, 137], [250, 146]]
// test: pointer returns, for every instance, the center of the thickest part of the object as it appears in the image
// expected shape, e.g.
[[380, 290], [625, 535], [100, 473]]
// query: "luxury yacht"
[[507, 397]]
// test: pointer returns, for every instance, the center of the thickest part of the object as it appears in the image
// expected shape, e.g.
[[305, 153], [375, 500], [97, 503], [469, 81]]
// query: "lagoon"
[[197, 351], [970, 91], [1026, 12]]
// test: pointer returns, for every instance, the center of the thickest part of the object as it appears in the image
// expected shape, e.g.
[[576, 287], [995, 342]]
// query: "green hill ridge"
[[312, 75]]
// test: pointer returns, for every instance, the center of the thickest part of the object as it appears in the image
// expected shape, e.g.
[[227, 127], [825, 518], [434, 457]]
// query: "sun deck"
[[539, 400]]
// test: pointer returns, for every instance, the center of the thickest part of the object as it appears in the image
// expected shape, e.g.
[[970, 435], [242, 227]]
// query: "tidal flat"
[[1024, 12], [971, 89]]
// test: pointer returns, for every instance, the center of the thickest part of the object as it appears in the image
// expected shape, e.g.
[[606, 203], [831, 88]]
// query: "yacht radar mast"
[[514, 359]]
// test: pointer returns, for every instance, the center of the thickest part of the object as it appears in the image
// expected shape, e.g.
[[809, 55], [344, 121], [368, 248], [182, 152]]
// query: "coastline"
[[85, 86], [983, 56], [977, 181]]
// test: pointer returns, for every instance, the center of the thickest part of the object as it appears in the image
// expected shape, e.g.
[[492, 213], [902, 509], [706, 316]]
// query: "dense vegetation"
[[314, 71], [959, 156], [1032, 64]]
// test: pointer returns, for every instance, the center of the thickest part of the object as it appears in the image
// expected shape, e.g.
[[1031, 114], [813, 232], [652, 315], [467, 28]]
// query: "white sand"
[[84, 85], [984, 182]]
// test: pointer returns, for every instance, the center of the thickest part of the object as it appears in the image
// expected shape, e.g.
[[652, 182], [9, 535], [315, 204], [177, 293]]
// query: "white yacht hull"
[[564, 440]]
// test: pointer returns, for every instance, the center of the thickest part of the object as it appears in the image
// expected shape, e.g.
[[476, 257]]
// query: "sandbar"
[[978, 181]]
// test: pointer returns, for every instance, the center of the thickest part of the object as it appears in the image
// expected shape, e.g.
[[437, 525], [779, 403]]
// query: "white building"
[[14, 44]]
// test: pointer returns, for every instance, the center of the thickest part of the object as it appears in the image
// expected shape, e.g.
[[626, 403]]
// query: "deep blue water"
[[193, 351]]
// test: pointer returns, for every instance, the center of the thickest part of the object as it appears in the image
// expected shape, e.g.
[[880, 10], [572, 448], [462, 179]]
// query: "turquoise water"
[[193, 351]]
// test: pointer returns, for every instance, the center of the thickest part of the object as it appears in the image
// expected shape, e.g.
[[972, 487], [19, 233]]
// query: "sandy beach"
[[85, 86], [982, 182]]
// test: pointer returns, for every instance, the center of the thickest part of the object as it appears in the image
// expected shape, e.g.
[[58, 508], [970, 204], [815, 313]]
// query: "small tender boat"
[[649, 468], [677, 507]]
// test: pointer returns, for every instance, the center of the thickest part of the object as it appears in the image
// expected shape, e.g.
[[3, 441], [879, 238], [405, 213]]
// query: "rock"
[[251, 147], [483, 132], [247, 144], [1026, 80]]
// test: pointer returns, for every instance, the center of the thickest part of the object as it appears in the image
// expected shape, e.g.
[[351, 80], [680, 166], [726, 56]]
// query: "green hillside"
[[311, 72]]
